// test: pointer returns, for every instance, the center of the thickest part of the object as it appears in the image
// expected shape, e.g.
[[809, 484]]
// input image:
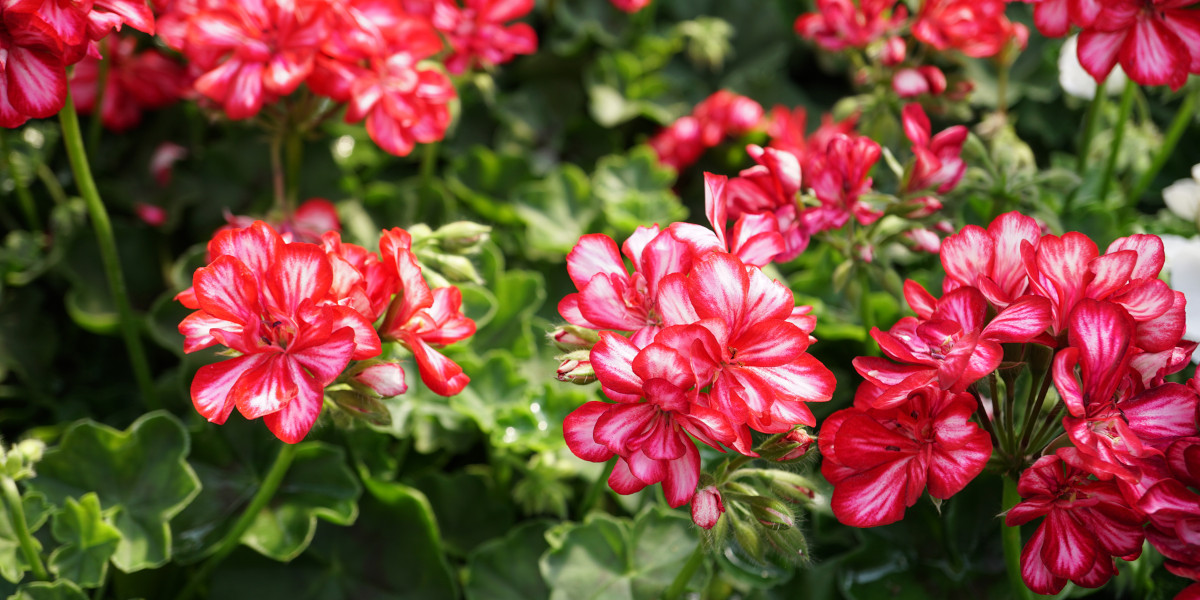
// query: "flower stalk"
[[1183, 117], [77, 155], [16, 513], [1118, 136]]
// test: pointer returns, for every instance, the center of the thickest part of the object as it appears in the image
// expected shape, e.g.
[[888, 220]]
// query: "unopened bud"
[[707, 507], [463, 237], [569, 338], [771, 512], [894, 51], [576, 367], [803, 443], [383, 379], [791, 487], [20, 458], [361, 406], [452, 266], [789, 543]]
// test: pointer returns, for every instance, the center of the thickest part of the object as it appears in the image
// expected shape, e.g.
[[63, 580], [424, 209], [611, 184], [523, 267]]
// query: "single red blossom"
[[840, 176], [880, 461], [938, 162], [1053, 18], [360, 279], [721, 114], [266, 299], [420, 318], [787, 130], [1086, 523], [478, 35], [755, 238], [1157, 42], [977, 28], [136, 81], [840, 24], [33, 80], [769, 189], [990, 259]]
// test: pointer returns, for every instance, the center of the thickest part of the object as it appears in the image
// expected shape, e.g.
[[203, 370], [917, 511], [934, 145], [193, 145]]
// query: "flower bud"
[[576, 367], [19, 460], [463, 237], [894, 51], [803, 441], [791, 487], [771, 512], [707, 507], [383, 379], [790, 543], [361, 406], [569, 338], [452, 266]]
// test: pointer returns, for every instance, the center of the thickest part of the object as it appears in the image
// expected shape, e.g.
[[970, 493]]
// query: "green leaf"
[[615, 559], [519, 294], [232, 463], [88, 542], [635, 190], [507, 568], [41, 590], [12, 560], [557, 210], [392, 553], [483, 180], [469, 508], [139, 475]]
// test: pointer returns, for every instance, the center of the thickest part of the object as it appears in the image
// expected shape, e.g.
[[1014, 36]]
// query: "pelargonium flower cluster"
[[717, 349], [721, 115], [1156, 42], [136, 81], [370, 55], [298, 315], [42, 38], [1114, 331]]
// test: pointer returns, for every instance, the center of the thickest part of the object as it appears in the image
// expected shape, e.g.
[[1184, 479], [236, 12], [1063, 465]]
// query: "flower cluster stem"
[[265, 492], [1012, 542], [679, 585], [1183, 117], [16, 514], [73, 140], [1118, 136]]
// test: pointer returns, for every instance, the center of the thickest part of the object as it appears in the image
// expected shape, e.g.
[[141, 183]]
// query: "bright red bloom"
[[1054, 18], [136, 81], [755, 238], [420, 318], [1087, 523], [770, 189], [252, 53], [787, 130], [477, 33], [840, 24], [266, 299], [721, 114], [840, 176], [926, 79], [938, 162], [109, 15], [1157, 42], [630, 6], [990, 260], [33, 79], [977, 28], [881, 460]]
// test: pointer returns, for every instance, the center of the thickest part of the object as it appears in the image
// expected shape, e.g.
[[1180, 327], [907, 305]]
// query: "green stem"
[[864, 307], [94, 127], [293, 161], [1091, 122], [265, 492], [679, 585], [429, 156], [16, 513], [1182, 118], [73, 140], [1118, 137], [1012, 543], [593, 493], [1002, 68], [278, 177], [1004, 435], [1036, 409], [23, 195], [1049, 429]]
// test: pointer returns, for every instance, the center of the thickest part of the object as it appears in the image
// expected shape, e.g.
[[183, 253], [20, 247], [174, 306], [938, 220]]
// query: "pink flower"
[[840, 24], [1086, 524], [787, 130], [1157, 42], [770, 189], [707, 507], [755, 238], [977, 28], [938, 163], [721, 114], [420, 318], [839, 177], [33, 80], [1054, 18], [990, 259], [478, 35], [265, 299], [135, 82], [630, 6], [881, 460], [926, 79]]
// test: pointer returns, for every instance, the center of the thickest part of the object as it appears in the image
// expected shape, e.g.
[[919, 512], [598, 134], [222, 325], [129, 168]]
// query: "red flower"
[[1087, 522], [840, 24], [977, 28], [938, 163], [1157, 42], [721, 114], [755, 238], [477, 33], [881, 460], [33, 80], [839, 177], [420, 318], [135, 82], [990, 260], [630, 6], [266, 299], [770, 189], [1054, 17], [926, 79]]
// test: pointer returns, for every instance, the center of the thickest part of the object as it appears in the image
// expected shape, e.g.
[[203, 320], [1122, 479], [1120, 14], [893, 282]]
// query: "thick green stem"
[[293, 161], [1035, 410], [278, 176], [679, 585], [23, 195], [1118, 136], [1012, 543], [1183, 117], [73, 140], [265, 492], [16, 513], [429, 156], [1003, 435], [1091, 122]]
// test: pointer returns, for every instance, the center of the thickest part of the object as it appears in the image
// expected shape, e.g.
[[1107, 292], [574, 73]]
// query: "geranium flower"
[[33, 79], [938, 162], [881, 460], [721, 114], [136, 81], [840, 176], [755, 238], [990, 259], [840, 24], [977, 28], [1087, 522], [1157, 42], [477, 33]]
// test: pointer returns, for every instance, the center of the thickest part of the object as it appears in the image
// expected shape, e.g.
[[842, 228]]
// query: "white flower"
[[1183, 196], [1076, 81], [1183, 266]]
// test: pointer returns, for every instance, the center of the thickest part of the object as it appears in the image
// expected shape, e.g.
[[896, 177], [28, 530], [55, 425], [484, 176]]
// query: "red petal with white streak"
[[622, 481], [620, 423], [326, 358], [1098, 51], [1153, 55], [1185, 24], [922, 302], [440, 374], [673, 304], [1068, 550], [612, 358], [682, 476], [255, 246], [1111, 272], [1150, 253], [270, 385], [603, 302], [1052, 18], [658, 361], [872, 497], [36, 80], [134, 13], [594, 253], [197, 327], [1164, 331], [1102, 332], [769, 344], [968, 254], [1033, 570], [227, 290], [1146, 300], [714, 204], [301, 272], [767, 299], [718, 286], [292, 422], [1020, 322], [1166, 412], [1066, 382], [805, 380], [211, 386], [579, 428]]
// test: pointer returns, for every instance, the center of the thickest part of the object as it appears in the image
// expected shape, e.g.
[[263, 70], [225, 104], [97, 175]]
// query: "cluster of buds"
[[300, 317], [19, 460]]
